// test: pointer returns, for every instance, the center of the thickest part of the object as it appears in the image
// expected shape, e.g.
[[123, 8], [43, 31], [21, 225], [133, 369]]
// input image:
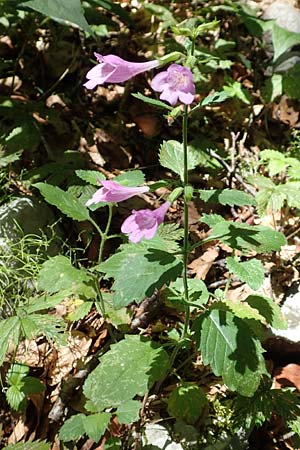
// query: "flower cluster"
[[141, 224]]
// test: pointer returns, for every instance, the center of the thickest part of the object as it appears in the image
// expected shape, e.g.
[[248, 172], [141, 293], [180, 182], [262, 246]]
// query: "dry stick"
[[215, 155]]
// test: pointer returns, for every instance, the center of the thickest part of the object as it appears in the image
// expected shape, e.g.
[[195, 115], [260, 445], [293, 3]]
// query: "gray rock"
[[285, 14], [291, 311], [157, 437]]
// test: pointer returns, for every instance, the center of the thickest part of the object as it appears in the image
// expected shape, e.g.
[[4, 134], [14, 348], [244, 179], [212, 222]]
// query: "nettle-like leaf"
[[149, 262], [36, 445], [64, 201], [232, 350], [70, 11], [212, 219], [57, 273], [128, 412], [21, 386], [229, 197], [246, 238], [128, 369], [73, 428], [268, 309], [250, 272], [52, 327], [130, 178], [198, 293], [187, 402], [95, 425], [171, 156], [90, 176], [277, 161]]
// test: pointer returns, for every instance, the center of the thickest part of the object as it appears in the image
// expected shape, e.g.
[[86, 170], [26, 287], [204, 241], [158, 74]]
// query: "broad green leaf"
[[15, 397], [130, 178], [32, 385], [187, 403], [44, 302], [250, 272], [241, 310], [36, 445], [64, 201], [233, 352], [68, 11], [235, 89], [229, 197], [152, 101], [90, 176], [72, 428], [16, 373], [269, 200], [149, 262], [269, 310], [291, 191], [95, 425], [290, 82], [277, 162], [171, 156], [7, 158], [261, 182], [128, 369], [57, 273], [246, 238], [198, 293], [283, 40], [128, 412], [272, 88], [9, 332], [199, 149]]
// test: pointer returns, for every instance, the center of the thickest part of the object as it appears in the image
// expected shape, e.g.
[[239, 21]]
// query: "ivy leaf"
[[90, 176], [187, 403], [57, 273], [283, 40], [95, 425], [171, 156], [149, 262], [246, 238], [64, 201], [232, 350], [70, 11], [229, 197], [250, 272], [269, 310], [128, 369]]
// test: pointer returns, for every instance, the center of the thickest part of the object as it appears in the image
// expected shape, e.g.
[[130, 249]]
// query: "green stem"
[[104, 234], [185, 249]]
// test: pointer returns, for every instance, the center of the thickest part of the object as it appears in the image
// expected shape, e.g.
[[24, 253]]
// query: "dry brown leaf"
[[200, 266], [18, 433], [78, 347]]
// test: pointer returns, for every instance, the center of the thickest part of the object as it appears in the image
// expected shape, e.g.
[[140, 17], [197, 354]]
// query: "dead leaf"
[[200, 266]]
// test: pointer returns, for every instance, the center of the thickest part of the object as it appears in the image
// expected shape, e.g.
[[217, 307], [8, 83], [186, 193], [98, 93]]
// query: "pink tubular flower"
[[176, 83], [114, 192], [112, 69], [144, 223]]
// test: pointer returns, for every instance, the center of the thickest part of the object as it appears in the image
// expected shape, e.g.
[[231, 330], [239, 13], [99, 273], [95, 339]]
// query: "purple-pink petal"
[[113, 69], [114, 192]]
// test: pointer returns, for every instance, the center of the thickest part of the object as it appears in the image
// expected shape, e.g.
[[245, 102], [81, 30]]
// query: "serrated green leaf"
[[269, 309], [128, 412], [198, 293], [73, 428], [9, 332], [241, 310], [95, 425], [212, 219], [128, 369], [229, 197], [149, 261], [152, 101], [291, 191], [64, 201], [69, 12], [44, 302], [32, 385], [36, 445], [15, 397], [90, 176], [187, 403], [53, 328], [250, 272], [233, 352], [171, 156], [246, 238], [130, 178], [16, 373], [261, 182], [57, 273]]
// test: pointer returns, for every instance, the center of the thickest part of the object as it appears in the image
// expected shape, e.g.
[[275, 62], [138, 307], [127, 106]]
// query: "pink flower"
[[112, 69], [144, 223], [114, 192], [176, 83]]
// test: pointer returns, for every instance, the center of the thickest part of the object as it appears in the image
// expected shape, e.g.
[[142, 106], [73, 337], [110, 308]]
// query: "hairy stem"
[[185, 249]]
